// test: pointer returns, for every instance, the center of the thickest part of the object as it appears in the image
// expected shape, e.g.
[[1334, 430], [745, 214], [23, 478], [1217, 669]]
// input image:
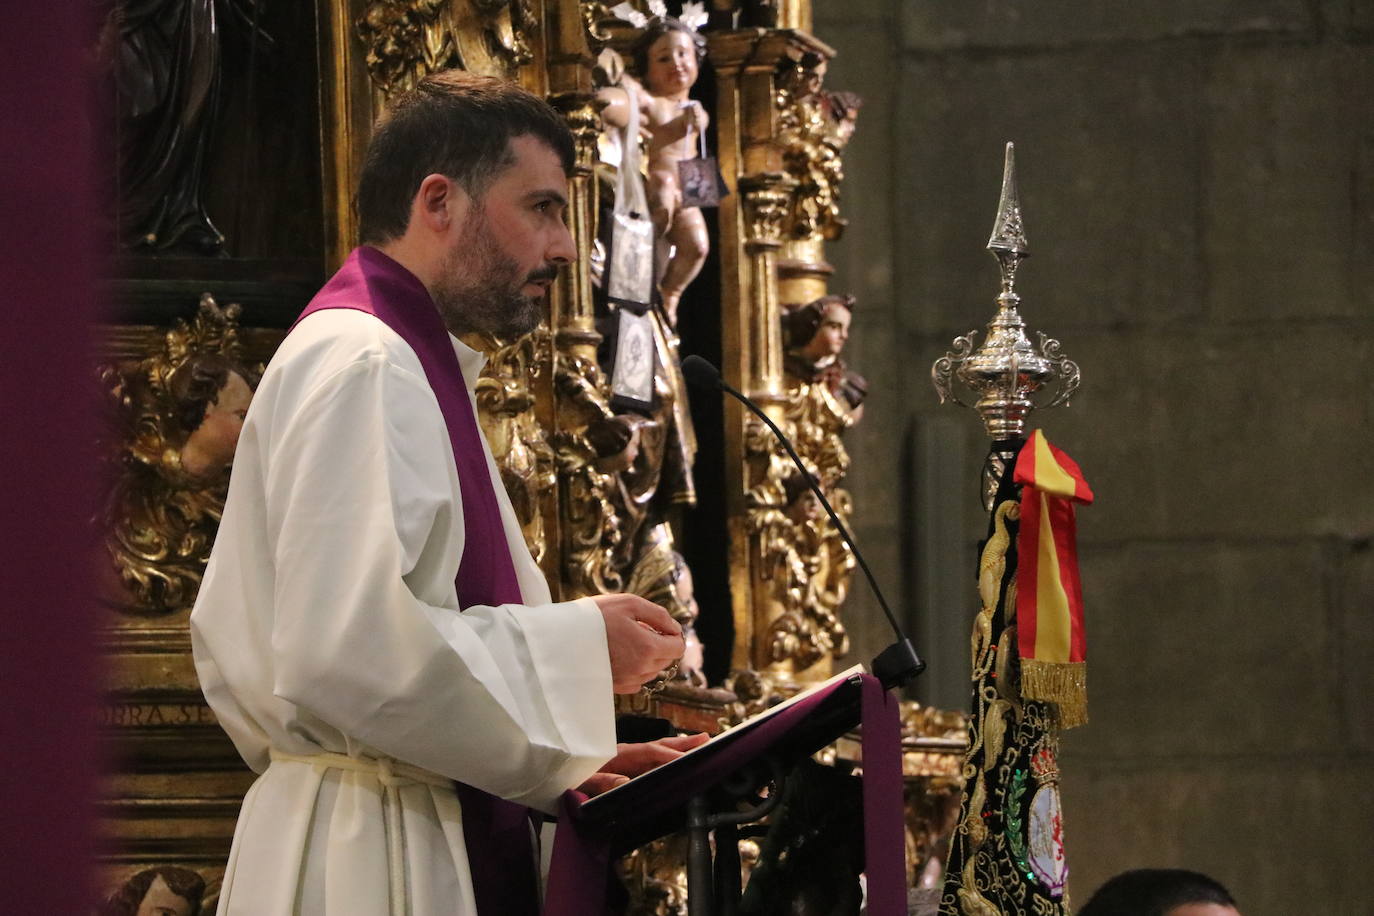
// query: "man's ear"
[[440, 204]]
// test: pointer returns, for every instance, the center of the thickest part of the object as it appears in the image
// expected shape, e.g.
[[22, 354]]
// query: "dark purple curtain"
[[47, 219]]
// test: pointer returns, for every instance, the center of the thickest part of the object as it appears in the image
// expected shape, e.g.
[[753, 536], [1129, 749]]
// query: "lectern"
[[689, 792]]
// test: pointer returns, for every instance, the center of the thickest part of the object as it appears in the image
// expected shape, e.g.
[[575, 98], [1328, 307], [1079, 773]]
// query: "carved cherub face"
[[830, 337], [672, 64], [812, 79], [210, 447], [161, 900]]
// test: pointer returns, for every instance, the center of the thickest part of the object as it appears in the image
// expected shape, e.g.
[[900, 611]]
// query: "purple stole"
[[497, 832]]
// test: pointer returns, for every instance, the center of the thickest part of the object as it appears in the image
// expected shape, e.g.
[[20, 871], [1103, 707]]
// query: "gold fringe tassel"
[[1065, 684]]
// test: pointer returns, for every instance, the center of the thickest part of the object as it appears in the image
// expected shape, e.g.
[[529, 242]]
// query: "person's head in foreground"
[[1160, 892]]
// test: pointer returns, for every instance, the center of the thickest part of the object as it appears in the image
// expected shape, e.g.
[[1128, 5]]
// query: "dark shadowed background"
[[1197, 180]]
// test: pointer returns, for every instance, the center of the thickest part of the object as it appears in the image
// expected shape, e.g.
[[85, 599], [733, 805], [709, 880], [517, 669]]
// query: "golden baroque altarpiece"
[[597, 516]]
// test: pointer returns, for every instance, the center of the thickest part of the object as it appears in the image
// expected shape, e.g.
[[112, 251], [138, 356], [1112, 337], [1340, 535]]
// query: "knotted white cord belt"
[[393, 776]]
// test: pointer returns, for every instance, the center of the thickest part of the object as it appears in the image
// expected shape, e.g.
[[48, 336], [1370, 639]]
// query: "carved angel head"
[[819, 329], [186, 402]]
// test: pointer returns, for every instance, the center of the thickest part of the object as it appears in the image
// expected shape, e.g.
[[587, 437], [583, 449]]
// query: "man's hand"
[[633, 759], [643, 639]]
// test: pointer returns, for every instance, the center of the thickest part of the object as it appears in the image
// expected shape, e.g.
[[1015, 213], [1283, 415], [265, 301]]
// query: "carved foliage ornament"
[[793, 555], [507, 27], [767, 199], [406, 40], [519, 446], [811, 628], [593, 533]]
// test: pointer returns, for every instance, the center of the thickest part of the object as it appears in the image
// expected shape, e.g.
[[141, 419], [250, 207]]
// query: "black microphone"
[[896, 665]]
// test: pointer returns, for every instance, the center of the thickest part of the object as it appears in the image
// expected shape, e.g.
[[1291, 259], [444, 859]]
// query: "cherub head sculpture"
[[185, 403], [175, 422], [163, 891], [209, 401], [819, 329]]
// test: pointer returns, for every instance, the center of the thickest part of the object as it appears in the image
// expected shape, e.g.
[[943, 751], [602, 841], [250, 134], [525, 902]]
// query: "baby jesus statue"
[[666, 59]]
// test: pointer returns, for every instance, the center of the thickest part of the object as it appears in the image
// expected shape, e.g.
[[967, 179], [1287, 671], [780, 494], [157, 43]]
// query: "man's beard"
[[479, 288]]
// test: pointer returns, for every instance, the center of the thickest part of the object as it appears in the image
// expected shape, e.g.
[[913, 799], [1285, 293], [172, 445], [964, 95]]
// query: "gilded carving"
[[656, 877], [407, 40], [508, 26], [806, 562], [767, 199], [777, 514], [587, 446], [582, 113], [519, 445], [815, 125], [597, 19], [174, 423]]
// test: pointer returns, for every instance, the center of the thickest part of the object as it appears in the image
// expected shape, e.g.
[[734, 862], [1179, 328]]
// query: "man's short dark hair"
[[1153, 892], [455, 124]]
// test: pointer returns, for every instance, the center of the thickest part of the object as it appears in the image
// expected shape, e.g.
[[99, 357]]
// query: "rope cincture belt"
[[394, 776]]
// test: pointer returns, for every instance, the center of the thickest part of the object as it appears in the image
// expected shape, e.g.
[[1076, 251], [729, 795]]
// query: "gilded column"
[[767, 575], [766, 198]]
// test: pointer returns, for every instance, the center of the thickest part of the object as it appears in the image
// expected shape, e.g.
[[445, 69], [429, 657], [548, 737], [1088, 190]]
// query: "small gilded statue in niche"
[[665, 62], [166, 890], [175, 422], [814, 127]]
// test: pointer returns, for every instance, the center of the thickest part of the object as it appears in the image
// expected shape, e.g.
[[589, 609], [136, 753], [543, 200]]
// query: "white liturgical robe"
[[328, 623]]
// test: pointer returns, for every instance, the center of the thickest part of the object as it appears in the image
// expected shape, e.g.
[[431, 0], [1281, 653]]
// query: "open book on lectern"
[[785, 732]]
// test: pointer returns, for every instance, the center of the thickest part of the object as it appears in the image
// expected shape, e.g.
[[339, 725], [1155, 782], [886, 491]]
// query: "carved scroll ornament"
[[519, 445], [593, 533]]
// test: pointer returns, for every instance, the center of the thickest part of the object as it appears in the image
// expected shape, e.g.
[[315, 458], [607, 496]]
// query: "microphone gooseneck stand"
[[898, 664]]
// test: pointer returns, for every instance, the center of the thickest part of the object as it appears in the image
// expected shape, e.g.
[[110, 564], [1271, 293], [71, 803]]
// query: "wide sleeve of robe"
[[328, 617]]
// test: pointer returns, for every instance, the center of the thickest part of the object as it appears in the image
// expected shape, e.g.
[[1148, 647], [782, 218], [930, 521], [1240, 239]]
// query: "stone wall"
[[1197, 178]]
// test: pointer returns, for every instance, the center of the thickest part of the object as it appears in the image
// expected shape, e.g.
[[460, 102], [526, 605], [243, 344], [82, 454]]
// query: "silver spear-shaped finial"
[[1007, 369]]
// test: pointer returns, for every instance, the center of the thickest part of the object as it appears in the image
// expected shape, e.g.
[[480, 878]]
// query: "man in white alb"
[[372, 631]]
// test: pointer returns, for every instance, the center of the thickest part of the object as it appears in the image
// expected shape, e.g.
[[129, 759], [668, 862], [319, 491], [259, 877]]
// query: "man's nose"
[[562, 249]]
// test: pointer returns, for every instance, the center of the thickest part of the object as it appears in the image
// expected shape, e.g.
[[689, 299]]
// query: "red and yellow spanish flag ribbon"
[[1049, 598]]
